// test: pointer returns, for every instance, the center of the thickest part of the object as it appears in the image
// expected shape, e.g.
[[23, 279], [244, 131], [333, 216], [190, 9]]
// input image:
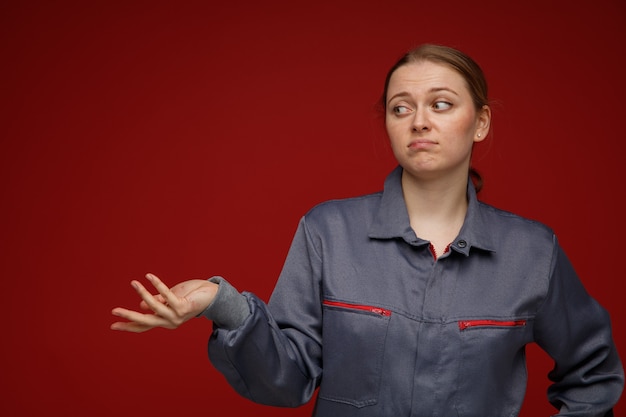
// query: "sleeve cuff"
[[229, 308]]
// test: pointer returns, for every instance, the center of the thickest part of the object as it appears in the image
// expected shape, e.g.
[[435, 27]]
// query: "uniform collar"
[[392, 219]]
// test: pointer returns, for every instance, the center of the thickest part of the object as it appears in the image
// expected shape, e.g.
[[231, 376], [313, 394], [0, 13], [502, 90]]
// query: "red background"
[[187, 138]]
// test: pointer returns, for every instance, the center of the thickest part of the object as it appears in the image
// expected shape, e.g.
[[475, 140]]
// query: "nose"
[[420, 120]]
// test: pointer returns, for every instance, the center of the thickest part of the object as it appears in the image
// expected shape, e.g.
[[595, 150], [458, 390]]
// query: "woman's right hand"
[[170, 307]]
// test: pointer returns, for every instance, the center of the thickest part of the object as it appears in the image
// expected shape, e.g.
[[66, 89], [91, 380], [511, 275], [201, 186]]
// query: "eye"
[[401, 109], [442, 105]]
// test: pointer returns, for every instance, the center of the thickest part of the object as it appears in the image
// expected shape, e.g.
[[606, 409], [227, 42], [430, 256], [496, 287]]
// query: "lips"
[[421, 144]]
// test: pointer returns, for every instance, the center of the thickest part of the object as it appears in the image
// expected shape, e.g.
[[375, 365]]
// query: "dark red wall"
[[187, 138]]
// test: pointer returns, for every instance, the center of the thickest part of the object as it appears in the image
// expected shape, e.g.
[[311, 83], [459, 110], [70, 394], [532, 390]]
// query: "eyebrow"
[[432, 90]]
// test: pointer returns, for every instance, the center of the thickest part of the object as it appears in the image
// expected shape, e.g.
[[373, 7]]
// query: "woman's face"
[[431, 120]]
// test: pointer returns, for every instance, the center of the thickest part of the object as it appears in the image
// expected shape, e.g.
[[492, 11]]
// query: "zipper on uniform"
[[486, 323], [371, 309]]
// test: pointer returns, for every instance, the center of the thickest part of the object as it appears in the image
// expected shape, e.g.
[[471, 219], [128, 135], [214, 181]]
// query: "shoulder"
[[508, 224], [345, 205], [347, 210]]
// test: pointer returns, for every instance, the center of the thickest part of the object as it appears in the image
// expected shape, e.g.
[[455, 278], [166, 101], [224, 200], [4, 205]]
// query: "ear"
[[483, 121]]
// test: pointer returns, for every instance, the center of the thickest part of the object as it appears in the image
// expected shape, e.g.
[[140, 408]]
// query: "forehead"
[[426, 75]]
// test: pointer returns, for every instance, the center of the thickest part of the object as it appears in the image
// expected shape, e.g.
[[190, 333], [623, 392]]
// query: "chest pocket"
[[354, 344], [492, 371]]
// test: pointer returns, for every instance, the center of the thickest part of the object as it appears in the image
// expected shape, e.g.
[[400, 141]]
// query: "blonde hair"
[[452, 58]]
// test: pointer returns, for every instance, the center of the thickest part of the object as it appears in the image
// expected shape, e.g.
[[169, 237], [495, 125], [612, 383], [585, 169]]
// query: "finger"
[[140, 320], [130, 327], [151, 301], [144, 306], [168, 296]]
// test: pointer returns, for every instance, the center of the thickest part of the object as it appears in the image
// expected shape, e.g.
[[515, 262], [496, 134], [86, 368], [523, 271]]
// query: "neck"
[[436, 208], [435, 198]]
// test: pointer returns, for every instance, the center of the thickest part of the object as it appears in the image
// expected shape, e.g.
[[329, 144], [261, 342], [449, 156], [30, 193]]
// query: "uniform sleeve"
[[575, 330], [274, 356]]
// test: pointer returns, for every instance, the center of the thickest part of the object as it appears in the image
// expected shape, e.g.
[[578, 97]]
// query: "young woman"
[[417, 300]]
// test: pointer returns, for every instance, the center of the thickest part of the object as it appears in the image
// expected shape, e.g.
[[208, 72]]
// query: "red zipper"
[[371, 309], [486, 323]]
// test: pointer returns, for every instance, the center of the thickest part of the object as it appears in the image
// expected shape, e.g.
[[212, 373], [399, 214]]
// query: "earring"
[[478, 135]]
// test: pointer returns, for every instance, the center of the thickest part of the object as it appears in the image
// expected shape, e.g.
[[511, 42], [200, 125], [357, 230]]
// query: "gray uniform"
[[364, 311]]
